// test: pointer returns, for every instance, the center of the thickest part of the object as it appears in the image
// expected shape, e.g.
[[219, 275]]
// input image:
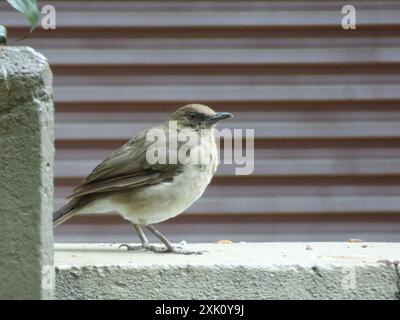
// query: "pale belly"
[[156, 203]]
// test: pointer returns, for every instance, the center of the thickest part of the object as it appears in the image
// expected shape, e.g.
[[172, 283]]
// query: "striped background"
[[324, 103]]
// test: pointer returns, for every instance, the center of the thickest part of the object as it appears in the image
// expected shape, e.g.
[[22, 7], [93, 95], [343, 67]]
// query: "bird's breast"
[[165, 200]]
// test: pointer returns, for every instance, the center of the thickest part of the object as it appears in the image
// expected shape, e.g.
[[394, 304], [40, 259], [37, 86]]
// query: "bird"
[[144, 191]]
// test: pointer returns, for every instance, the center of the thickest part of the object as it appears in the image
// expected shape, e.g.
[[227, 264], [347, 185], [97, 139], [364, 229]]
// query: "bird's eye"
[[192, 115]]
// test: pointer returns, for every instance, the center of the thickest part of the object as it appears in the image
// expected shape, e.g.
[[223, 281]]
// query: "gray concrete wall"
[[26, 175], [232, 271]]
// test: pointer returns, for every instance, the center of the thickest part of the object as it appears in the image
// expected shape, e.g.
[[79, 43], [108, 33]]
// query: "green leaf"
[[29, 9], [3, 36]]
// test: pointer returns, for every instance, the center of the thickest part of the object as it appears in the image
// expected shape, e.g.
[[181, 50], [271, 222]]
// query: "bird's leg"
[[164, 240], [143, 239], [169, 246]]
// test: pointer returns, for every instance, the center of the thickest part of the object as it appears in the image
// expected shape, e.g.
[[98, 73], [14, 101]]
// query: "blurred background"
[[324, 103]]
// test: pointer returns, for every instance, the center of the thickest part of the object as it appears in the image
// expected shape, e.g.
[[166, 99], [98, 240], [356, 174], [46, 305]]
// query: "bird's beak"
[[218, 117]]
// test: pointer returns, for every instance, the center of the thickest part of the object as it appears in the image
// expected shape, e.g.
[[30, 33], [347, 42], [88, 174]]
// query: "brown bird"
[[145, 191]]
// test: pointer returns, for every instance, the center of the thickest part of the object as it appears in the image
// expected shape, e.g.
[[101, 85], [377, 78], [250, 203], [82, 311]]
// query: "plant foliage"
[[29, 9]]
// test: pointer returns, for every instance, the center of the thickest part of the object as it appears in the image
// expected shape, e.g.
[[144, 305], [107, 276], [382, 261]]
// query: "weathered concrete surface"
[[26, 174], [230, 271]]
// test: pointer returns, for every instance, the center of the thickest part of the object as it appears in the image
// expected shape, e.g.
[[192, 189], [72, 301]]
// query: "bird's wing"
[[127, 168]]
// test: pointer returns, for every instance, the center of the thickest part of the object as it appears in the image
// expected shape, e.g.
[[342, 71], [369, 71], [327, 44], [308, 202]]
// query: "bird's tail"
[[64, 213]]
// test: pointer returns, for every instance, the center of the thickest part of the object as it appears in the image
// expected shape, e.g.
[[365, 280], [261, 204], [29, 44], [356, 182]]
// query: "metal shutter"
[[324, 103]]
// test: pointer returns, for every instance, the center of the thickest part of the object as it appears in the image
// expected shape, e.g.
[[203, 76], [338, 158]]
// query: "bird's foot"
[[157, 249]]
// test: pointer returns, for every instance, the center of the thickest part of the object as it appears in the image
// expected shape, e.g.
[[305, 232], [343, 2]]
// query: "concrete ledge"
[[230, 271]]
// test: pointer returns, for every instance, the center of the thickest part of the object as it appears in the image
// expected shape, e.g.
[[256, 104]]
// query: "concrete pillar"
[[26, 175]]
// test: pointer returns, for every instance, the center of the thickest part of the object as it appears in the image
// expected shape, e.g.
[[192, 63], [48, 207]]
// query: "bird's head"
[[198, 116]]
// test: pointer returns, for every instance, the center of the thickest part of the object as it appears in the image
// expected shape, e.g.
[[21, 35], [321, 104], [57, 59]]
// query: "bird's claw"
[[144, 246], [156, 249]]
